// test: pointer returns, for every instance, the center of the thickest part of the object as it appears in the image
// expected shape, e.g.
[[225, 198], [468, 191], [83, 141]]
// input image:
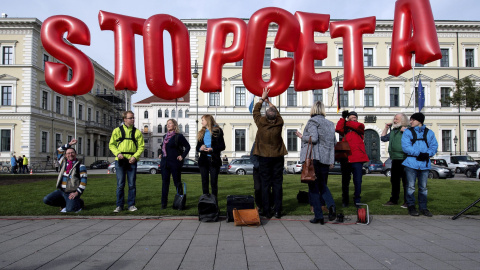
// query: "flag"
[[251, 98], [421, 96], [337, 85]]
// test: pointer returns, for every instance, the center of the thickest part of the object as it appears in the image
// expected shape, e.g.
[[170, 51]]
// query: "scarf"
[[69, 165], [169, 135]]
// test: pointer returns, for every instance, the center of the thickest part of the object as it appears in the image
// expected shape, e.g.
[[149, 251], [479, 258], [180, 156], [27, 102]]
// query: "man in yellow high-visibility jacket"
[[127, 145]]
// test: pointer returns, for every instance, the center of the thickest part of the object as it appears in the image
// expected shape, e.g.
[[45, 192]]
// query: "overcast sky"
[[102, 45]]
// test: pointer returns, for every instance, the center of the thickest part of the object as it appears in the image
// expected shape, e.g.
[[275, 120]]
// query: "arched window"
[[173, 113], [186, 113], [166, 113], [187, 128], [180, 127], [145, 153], [145, 129], [159, 113], [180, 113], [145, 115], [166, 130], [159, 129]]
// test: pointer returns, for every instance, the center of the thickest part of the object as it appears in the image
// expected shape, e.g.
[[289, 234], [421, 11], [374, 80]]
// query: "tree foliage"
[[466, 94]]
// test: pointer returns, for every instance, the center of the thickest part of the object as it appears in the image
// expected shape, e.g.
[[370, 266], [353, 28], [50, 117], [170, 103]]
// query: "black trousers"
[[167, 170], [257, 185], [271, 174], [210, 171], [398, 175]]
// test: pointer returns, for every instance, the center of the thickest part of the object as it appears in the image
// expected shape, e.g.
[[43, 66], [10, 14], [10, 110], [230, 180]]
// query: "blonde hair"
[[211, 125], [175, 124], [317, 108]]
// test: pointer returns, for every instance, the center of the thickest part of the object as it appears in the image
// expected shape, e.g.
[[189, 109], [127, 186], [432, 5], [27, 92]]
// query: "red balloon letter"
[[281, 68], [154, 60], [308, 51], [352, 31], [416, 16], [56, 74], [216, 55], [124, 28]]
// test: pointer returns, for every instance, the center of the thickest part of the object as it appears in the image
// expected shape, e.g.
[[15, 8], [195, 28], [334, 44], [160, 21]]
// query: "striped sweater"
[[76, 179]]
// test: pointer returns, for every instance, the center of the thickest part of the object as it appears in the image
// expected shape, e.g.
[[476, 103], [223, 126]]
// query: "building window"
[[165, 128], [292, 140], [186, 113], [58, 105], [70, 108], [446, 140], [97, 116], [240, 140], [159, 140], [267, 57], [145, 140], [368, 94], [45, 60], [368, 57], [290, 54], [471, 140], [166, 114], [159, 113], [80, 143], [317, 63], [444, 62], [214, 99], [5, 139], [110, 121], [180, 127], [291, 97], [145, 153], [80, 111], [104, 119], [174, 113], [318, 95], [159, 128], [180, 113], [70, 76], [418, 65], [145, 115], [6, 95], [44, 99], [394, 96], [469, 58], [340, 57], [44, 141], [240, 96], [343, 98], [239, 63], [69, 138], [7, 54], [145, 129], [58, 140], [187, 129], [88, 147], [89, 114], [444, 93]]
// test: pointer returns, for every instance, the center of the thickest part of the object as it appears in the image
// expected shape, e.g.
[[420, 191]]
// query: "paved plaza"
[[388, 242]]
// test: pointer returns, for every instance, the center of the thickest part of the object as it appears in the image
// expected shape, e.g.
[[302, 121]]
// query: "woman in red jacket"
[[352, 131]]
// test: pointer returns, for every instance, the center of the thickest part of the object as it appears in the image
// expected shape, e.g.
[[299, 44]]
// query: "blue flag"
[[250, 102], [421, 96]]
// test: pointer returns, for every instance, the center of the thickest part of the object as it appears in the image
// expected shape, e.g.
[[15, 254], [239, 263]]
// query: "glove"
[[423, 157], [345, 114]]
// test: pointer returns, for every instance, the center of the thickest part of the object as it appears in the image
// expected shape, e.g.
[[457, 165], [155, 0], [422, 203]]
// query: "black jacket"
[[218, 145], [172, 150]]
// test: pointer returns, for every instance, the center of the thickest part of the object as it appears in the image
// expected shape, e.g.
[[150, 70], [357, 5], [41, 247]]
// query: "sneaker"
[[405, 206], [132, 208], [389, 203], [64, 210], [426, 213], [117, 210], [78, 210], [413, 211]]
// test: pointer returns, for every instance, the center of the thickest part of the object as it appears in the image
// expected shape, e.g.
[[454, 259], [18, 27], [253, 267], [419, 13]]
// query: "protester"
[[257, 183], [210, 144], [394, 137], [270, 149], [127, 144], [55, 164], [322, 134], [352, 132], [225, 160], [20, 164], [71, 181], [419, 144], [174, 150], [25, 164], [13, 164]]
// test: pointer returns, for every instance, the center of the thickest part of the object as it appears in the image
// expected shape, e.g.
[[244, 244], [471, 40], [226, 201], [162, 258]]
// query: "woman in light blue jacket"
[[322, 132]]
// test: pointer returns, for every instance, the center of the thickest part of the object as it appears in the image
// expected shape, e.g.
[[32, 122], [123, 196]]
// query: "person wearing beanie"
[[419, 144]]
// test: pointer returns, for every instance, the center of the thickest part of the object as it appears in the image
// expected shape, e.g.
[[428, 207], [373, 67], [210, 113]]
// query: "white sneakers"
[[131, 209], [64, 210], [118, 209]]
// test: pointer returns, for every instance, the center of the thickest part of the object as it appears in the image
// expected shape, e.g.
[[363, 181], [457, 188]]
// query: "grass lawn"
[[445, 197]]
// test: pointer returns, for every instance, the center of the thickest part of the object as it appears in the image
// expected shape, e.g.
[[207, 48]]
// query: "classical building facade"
[[34, 119], [383, 96]]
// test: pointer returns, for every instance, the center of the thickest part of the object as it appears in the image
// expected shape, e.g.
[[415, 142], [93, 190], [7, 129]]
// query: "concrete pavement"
[[389, 242]]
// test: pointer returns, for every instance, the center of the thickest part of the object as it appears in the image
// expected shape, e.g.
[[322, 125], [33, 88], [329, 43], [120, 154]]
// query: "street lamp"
[[455, 140], [195, 75]]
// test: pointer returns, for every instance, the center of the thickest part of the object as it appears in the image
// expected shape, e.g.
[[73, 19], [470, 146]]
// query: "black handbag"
[[180, 200]]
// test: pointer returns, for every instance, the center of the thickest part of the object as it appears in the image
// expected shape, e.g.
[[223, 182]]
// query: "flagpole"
[[414, 83], [354, 99]]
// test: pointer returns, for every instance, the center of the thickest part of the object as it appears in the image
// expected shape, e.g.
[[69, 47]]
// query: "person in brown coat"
[[270, 149]]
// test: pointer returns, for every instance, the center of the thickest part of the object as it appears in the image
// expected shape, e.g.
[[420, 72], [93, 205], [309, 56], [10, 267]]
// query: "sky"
[[101, 47]]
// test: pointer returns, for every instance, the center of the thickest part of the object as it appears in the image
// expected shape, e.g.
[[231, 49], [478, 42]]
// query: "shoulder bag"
[[308, 172], [246, 217]]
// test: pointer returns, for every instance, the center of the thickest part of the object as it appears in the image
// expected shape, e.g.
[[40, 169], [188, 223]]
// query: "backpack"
[[121, 139], [208, 208], [414, 134]]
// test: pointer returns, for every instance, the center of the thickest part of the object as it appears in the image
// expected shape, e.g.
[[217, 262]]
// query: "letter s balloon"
[[56, 74]]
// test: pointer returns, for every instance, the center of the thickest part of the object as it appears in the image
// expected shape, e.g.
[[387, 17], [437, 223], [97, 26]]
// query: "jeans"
[[422, 176], [175, 171], [318, 189], [271, 173], [129, 172], [354, 168], [398, 175], [60, 198], [210, 171]]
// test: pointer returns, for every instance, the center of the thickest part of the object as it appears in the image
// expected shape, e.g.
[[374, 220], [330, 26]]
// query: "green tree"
[[465, 94]]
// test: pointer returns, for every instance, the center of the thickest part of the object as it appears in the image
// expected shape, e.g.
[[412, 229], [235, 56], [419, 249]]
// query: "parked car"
[[387, 167], [373, 166], [440, 172], [151, 166], [190, 166], [458, 163], [471, 171], [100, 164], [224, 168], [337, 169], [111, 167], [294, 167], [439, 162], [240, 166]]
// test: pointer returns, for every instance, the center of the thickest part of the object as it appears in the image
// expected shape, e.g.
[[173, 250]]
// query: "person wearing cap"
[[352, 132], [418, 148]]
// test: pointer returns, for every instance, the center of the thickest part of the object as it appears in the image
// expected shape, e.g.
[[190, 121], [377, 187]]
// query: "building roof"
[[155, 99]]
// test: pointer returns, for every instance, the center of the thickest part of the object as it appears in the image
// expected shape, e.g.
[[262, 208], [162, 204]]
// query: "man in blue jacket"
[[419, 144]]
